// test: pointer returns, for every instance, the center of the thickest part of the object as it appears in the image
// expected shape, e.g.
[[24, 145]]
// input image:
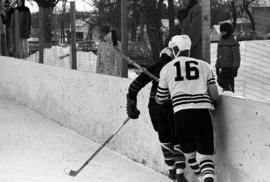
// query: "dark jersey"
[[143, 79]]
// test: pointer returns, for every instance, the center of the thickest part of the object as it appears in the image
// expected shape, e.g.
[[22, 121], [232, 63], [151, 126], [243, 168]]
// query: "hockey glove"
[[234, 72], [132, 110]]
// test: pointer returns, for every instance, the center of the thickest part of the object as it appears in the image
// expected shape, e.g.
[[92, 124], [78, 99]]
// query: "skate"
[[181, 178], [172, 175]]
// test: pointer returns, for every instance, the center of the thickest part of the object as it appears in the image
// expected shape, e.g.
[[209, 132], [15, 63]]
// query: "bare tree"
[[47, 6], [246, 4], [62, 23], [144, 12], [171, 17], [218, 12], [232, 11], [135, 7]]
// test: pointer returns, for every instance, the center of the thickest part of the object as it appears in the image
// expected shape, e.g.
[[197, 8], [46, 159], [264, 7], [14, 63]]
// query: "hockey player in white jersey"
[[191, 85]]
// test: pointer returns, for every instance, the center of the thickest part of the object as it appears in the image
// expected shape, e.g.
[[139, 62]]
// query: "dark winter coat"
[[228, 53], [8, 20], [25, 22]]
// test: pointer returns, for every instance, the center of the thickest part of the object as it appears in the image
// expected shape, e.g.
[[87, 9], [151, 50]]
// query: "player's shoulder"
[[203, 63], [185, 59], [196, 60]]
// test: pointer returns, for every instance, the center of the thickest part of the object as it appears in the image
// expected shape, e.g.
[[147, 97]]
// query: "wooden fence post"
[[1, 43], [1, 28], [124, 36], [18, 43], [206, 23], [41, 34], [73, 35]]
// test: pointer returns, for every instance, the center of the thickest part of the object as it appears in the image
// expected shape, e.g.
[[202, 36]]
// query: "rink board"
[[94, 105]]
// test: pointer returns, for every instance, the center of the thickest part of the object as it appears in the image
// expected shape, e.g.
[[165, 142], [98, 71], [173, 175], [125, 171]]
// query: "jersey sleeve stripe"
[[162, 92], [212, 82], [162, 95], [211, 79], [162, 89], [135, 86]]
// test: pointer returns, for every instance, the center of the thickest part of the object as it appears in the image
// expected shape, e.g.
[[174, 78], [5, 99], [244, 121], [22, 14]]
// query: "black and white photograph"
[[135, 90]]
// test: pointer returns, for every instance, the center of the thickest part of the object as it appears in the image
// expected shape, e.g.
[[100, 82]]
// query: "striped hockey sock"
[[193, 164], [207, 169], [169, 158], [180, 160], [168, 153]]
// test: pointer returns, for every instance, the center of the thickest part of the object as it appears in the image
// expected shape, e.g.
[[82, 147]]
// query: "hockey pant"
[[162, 120], [195, 134]]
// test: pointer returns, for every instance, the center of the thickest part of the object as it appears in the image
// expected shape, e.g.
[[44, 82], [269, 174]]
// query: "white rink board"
[[94, 105]]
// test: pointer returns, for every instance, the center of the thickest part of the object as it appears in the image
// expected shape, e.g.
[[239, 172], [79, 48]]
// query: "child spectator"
[[228, 58]]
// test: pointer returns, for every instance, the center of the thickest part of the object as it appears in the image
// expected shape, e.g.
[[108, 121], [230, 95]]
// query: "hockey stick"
[[130, 61], [76, 172]]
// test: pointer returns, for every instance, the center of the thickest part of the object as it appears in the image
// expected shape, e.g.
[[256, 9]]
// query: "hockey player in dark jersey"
[[161, 117]]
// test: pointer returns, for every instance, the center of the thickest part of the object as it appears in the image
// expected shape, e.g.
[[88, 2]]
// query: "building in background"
[[261, 15], [82, 28]]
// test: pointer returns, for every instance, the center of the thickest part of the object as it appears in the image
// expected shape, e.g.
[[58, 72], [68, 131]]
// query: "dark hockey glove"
[[234, 72], [132, 110]]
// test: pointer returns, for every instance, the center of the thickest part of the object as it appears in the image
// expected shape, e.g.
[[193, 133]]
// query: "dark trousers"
[[162, 120], [194, 131], [225, 79]]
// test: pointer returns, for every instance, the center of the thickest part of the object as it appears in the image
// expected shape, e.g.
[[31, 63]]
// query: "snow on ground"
[[35, 149]]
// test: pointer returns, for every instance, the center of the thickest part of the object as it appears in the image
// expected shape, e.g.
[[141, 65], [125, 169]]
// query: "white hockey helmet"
[[166, 50], [182, 42]]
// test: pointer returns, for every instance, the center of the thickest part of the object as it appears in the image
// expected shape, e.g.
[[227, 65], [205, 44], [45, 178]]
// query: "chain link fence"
[[94, 53]]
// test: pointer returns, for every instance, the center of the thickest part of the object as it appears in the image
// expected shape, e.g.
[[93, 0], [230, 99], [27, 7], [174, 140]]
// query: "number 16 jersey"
[[186, 81]]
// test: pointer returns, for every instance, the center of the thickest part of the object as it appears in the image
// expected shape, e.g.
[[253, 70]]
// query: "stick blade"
[[73, 173]]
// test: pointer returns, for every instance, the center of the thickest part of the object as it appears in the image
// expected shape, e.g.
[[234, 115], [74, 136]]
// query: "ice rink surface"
[[36, 149]]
